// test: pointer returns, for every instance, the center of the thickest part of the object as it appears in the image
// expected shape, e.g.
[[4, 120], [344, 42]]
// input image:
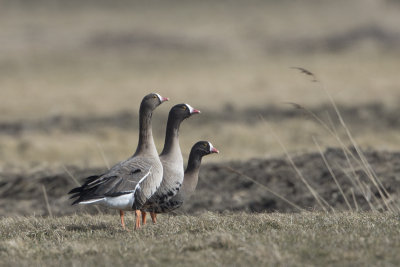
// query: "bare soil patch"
[[220, 189]]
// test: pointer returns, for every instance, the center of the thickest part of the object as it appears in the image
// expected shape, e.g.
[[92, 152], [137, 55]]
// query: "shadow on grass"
[[88, 228]]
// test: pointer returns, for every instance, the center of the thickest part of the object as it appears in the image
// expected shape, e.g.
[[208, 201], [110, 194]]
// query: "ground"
[[72, 74], [210, 239], [255, 185], [62, 63]]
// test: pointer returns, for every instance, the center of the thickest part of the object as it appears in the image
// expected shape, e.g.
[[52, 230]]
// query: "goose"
[[198, 151], [171, 159], [130, 183]]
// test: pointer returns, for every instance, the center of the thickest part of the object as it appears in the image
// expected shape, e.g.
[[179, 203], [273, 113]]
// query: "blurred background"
[[72, 75]]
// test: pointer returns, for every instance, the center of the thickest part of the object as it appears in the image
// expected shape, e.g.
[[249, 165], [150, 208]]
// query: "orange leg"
[[153, 217], [143, 217], [121, 214], [137, 215]]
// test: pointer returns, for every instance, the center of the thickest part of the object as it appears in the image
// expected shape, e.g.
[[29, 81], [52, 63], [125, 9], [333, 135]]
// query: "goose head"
[[203, 148], [153, 100], [183, 111]]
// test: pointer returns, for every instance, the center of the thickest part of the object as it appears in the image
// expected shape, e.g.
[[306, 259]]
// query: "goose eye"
[[154, 96], [205, 145], [184, 107]]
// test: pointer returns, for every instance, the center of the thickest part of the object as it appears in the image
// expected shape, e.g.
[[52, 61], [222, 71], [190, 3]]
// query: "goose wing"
[[124, 178]]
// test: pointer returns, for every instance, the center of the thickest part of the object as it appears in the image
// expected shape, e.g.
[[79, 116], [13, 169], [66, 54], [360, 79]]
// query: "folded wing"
[[124, 178]]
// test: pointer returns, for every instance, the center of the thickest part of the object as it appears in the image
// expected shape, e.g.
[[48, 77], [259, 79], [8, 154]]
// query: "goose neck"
[[146, 142], [171, 143]]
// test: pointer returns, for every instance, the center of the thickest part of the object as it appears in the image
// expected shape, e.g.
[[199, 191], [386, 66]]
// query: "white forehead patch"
[[211, 146], [190, 108], [159, 97]]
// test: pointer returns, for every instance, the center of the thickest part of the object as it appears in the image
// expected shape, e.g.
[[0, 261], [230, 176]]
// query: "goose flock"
[[148, 182]]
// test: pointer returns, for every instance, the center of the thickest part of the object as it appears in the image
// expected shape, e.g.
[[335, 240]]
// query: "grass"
[[97, 59], [82, 149], [374, 181], [309, 238]]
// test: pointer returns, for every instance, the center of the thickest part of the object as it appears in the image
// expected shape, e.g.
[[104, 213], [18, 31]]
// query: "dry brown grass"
[[82, 149], [96, 59], [101, 60], [51, 64], [240, 239]]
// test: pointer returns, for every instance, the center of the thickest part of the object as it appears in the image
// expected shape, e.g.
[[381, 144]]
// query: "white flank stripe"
[[141, 180], [123, 202], [92, 201]]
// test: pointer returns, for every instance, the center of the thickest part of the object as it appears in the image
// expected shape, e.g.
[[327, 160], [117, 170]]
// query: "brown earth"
[[220, 189], [377, 114]]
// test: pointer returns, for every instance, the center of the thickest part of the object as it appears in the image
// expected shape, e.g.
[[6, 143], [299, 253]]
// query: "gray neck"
[[191, 174], [171, 144], [146, 142]]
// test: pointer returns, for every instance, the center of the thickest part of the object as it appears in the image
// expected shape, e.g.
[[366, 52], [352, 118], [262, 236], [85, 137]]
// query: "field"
[[210, 239], [77, 79], [72, 74]]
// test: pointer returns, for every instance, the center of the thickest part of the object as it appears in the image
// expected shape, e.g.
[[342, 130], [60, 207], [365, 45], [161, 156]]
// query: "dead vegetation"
[[220, 189], [210, 239], [71, 74]]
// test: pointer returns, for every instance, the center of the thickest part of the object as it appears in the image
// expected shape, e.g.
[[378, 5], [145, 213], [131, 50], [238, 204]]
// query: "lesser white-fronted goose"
[[198, 151], [128, 184], [171, 159]]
